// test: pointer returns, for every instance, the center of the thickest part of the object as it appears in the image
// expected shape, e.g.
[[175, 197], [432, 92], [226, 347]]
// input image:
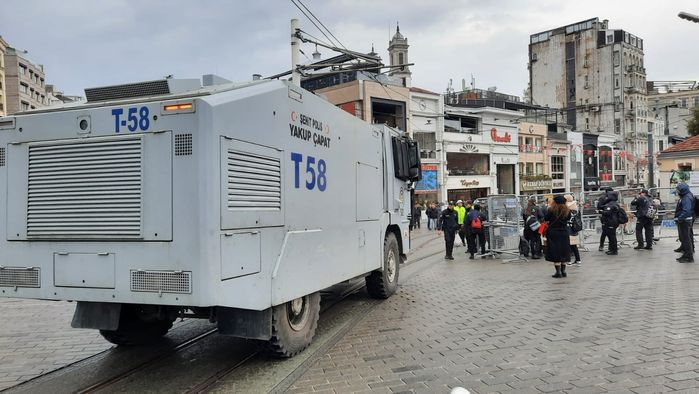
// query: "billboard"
[[428, 183]]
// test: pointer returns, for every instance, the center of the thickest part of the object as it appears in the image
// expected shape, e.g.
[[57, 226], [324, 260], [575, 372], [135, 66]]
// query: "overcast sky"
[[85, 43]]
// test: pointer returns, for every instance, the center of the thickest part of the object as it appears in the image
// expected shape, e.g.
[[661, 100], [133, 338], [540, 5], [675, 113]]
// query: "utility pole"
[[651, 157], [295, 50]]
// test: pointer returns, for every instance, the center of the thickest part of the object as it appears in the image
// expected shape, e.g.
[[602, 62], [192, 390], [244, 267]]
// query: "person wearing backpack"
[[645, 214], [611, 219], [684, 217], [574, 227], [531, 232], [474, 225]]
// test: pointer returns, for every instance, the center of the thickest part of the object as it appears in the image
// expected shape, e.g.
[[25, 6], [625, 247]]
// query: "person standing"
[[610, 221], [645, 213], [531, 232], [474, 226], [557, 236], [460, 216], [432, 217], [600, 202], [574, 227], [684, 217], [448, 224], [417, 215]]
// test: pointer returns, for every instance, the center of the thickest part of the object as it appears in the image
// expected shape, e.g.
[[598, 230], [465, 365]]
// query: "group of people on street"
[[467, 221], [552, 230]]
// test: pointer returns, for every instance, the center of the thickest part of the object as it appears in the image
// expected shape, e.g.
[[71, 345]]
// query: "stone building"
[[24, 82], [596, 76], [3, 92]]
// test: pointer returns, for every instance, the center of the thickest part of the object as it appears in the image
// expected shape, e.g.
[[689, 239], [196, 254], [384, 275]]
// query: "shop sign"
[[536, 185], [469, 183], [429, 167], [496, 138], [559, 183]]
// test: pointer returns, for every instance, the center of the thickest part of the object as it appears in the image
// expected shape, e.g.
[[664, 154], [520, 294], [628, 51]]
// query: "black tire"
[[294, 324], [384, 282], [133, 330]]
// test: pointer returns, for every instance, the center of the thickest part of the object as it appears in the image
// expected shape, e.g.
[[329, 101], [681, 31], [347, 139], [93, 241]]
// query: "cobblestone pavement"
[[625, 324], [35, 337]]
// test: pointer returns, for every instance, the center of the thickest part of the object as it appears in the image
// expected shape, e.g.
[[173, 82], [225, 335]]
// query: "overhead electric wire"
[[321, 22], [312, 21]]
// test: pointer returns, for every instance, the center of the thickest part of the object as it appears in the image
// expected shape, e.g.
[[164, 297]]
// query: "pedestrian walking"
[[558, 236], [574, 227], [531, 232], [460, 216], [611, 212], [476, 232], [417, 215], [684, 217], [432, 217], [448, 224], [646, 212], [600, 202]]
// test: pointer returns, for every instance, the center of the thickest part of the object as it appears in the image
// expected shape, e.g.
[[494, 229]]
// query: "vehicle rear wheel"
[[293, 326], [383, 283], [133, 330]]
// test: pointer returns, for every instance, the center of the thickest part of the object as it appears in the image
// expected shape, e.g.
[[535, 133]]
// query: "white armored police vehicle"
[[232, 202]]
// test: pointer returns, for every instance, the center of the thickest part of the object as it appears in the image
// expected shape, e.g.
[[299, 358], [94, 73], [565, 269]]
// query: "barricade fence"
[[506, 215]]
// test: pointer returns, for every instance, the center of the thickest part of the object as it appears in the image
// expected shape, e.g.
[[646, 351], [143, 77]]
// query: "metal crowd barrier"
[[503, 227]]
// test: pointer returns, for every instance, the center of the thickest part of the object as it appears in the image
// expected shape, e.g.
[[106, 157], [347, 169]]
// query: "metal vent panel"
[[139, 89], [254, 182], [20, 277], [183, 144], [85, 189], [2, 157], [179, 282]]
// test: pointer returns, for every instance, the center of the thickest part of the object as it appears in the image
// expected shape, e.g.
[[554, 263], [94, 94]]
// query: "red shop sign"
[[496, 138]]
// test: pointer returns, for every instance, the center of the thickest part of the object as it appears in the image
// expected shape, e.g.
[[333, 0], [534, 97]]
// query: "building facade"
[[398, 56], [24, 82], [596, 77], [673, 103], [481, 151], [680, 163], [534, 166], [3, 93], [427, 128]]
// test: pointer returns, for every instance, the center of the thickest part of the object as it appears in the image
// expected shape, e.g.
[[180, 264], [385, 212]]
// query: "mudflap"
[[96, 315], [244, 323]]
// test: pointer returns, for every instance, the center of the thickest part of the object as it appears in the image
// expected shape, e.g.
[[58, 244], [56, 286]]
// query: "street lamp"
[[689, 17]]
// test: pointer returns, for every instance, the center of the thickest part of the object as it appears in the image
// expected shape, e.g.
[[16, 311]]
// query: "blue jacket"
[[685, 206], [472, 215]]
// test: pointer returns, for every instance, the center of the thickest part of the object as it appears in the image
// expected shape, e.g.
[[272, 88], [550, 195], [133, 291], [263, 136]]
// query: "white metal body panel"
[[196, 231]]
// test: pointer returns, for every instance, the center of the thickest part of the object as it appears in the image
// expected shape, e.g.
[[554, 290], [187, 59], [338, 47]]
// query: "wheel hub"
[[391, 266], [297, 313]]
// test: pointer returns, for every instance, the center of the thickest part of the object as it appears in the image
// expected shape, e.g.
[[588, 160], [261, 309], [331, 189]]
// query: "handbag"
[[542, 229]]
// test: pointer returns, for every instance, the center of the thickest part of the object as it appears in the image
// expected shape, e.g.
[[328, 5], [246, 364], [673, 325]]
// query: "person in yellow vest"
[[460, 216]]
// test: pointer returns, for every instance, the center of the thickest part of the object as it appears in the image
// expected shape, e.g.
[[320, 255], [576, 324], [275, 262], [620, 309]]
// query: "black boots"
[[558, 273], [471, 257], [563, 270]]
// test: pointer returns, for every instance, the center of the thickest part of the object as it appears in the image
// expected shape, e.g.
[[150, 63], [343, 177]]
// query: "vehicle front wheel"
[[383, 283]]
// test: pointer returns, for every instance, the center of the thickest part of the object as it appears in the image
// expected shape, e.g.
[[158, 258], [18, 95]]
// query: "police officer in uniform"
[[449, 224]]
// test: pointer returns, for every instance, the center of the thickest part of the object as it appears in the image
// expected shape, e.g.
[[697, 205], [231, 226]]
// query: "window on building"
[[24, 88], [427, 144], [616, 58], [684, 167], [684, 103], [529, 169], [22, 69], [24, 106], [539, 168], [619, 161], [660, 145], [467, 164], [610, 38], [388, 112], [42, 82], [617, 126], [558, 167], [696, 101], [456, 124]]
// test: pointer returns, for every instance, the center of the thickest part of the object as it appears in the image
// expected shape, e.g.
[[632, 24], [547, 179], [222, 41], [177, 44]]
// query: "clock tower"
[[398, 54]]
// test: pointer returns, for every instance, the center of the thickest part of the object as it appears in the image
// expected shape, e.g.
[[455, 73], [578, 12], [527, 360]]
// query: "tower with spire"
[[398, 54]]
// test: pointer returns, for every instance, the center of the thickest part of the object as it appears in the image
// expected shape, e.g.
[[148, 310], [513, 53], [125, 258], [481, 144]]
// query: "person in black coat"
[[449, 224], [610, 221], [600, 202], [557, 236], [684, 217], [644, 222], [531, 232]]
